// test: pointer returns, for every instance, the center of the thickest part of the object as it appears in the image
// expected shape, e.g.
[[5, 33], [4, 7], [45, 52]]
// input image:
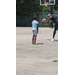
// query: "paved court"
[[36, 59]]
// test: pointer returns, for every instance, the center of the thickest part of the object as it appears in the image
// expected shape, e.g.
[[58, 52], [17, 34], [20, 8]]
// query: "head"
[[48, 15], [35, 18]]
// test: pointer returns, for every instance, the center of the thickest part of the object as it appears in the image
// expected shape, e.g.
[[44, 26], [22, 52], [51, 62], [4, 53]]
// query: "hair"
[[35, 18]]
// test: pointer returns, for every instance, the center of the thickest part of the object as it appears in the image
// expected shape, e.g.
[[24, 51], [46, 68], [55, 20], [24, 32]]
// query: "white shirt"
[[34, 24]]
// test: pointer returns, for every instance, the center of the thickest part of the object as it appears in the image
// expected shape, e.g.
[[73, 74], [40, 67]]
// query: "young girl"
[[34, 30]]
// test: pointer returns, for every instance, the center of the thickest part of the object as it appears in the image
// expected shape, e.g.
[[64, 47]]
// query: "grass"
[[55, 60]]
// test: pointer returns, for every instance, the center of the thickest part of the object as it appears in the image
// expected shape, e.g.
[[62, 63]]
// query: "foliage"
[[28, 7]]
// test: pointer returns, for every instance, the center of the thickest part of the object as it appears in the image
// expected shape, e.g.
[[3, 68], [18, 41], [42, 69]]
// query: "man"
[[53, 18]]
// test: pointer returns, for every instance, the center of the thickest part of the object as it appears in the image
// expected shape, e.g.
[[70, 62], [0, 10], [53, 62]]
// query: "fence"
[[27, 20], [23, 22]]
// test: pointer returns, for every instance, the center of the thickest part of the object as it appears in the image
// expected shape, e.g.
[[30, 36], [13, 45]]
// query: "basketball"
[[43, 19]]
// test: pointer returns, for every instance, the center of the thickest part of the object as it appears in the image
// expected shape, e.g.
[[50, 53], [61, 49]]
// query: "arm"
[[47, 22], [49, 19], [37, 28]]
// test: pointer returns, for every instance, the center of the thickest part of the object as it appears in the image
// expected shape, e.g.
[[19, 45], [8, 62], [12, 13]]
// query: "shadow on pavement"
[[50, 40], [39, 43]]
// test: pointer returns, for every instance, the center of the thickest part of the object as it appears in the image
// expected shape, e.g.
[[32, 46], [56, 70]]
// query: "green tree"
[[27, 7], [56, 5]]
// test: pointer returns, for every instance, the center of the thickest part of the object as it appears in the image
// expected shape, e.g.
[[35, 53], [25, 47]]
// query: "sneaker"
[[52, 40]]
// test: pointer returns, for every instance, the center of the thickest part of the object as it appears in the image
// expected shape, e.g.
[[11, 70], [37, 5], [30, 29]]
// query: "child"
[[34, 29]]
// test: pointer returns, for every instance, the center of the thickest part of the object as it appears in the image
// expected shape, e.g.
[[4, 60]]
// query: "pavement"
[[36, 59]]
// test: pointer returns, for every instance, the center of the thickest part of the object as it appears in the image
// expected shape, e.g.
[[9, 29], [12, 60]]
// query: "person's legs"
[[56, 28], [54, 33], [33, 39]]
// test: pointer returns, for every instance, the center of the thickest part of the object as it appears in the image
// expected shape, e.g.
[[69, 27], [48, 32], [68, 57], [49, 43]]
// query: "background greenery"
[[28, 7]]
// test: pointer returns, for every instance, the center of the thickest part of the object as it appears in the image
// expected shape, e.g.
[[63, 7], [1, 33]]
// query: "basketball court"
[[36, 59], [40, 59]]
